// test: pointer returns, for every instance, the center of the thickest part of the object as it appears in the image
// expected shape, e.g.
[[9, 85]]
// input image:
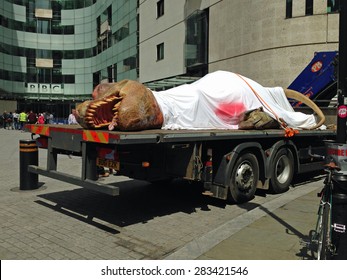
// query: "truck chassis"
[[231, 164]]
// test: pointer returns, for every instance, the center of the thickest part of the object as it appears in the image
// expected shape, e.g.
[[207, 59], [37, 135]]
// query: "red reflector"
[[208, 163]]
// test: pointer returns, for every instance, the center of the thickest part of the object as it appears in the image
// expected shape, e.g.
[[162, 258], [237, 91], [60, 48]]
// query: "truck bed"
[[62, 134]]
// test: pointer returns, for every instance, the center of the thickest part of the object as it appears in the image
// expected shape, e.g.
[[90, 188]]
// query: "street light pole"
[[342, 76]]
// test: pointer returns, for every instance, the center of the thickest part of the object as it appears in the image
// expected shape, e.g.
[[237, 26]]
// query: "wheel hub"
[[244, 177], [282, 169]]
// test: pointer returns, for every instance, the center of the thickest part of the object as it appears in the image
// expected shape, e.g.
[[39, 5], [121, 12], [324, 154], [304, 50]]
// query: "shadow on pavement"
[[305, 251], [138, 202], [308, 178]]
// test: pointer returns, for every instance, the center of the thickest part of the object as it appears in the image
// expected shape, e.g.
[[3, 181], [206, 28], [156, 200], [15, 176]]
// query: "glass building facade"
[[55, 51]]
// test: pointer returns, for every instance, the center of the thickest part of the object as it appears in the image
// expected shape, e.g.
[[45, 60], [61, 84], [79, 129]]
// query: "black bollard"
[[28, 155], [339, 216]]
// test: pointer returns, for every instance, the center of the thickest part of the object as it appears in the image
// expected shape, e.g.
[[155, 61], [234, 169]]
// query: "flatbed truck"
[[231, 164]]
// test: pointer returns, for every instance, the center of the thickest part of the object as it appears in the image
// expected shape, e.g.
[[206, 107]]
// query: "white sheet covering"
[[216, 100]]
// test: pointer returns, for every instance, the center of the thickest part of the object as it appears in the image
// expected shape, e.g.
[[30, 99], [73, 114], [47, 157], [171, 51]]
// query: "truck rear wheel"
[[282, 172], [244, 178]]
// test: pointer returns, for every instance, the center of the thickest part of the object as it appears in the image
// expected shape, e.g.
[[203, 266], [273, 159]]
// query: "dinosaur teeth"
[[111, 98], [116, 107]]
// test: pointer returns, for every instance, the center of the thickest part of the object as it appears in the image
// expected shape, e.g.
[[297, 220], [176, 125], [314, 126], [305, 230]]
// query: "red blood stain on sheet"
[[230, 112]]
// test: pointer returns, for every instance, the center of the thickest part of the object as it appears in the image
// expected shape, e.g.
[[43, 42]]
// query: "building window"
[[289, 8], [112, 73], [129, 63], [104, 23], [160, 51], [44, 75], [121, 33], [333, 6], [96, 78], [160, 8], [57, 77], [196, 43], [77, 4], [69, 79], [309, 8]]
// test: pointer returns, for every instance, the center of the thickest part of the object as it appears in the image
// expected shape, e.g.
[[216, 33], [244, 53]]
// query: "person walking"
[[46, 117], [10, 121], [50, 118], [16, 120], [32, 118], [4, 118], [41, 119], [23, 118]]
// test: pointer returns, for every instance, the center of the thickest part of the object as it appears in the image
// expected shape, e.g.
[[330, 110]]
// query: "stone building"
[[268, 41], [53, 52]]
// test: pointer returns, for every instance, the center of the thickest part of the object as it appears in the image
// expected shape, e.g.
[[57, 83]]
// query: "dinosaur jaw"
[[99, 113], [126, 105]]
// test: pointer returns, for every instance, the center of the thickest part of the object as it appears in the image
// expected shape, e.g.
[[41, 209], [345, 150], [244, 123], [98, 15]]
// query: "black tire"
[[282, 171], [323, 233], [244, 178]]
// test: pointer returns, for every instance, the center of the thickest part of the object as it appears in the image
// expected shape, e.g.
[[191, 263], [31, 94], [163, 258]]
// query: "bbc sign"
[[44, 88]]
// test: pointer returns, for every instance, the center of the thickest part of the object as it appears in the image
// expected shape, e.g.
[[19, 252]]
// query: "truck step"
[[87, 183]]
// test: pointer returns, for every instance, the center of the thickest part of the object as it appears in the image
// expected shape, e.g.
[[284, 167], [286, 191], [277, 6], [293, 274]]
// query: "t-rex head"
[[126, 105]]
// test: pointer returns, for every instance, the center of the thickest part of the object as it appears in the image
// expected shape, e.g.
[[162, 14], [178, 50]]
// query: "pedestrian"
[[10, 121], [32, 118], [46, 117], [50, 118], [72, 117], [23, 118], [16, 120], [41, 119], [4, 117]]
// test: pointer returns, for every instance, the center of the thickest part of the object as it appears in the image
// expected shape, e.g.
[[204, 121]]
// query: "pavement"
[[61, 221], [276, 230]]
